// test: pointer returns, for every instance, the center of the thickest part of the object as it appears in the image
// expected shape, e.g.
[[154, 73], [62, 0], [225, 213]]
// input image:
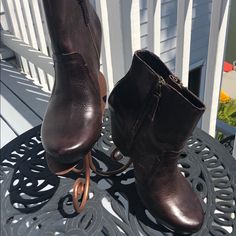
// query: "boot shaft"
[[73, 25], [156, 113], [75, 33]]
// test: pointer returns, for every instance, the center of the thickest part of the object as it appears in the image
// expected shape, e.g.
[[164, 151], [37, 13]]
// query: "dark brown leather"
[[152, 117], [72, 122]]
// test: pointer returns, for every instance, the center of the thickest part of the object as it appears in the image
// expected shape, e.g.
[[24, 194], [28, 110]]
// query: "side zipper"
[[153, 103]]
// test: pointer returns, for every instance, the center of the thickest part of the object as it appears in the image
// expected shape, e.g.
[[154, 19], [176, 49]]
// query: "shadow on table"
[[31, 190]]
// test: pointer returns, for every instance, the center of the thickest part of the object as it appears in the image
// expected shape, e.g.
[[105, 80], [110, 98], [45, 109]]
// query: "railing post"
[[116, 39], [130, 22], [4, 20], [215, 57], [135, 25], [154, 26], [101, 7], [37, 18], [184, 28], [13, 25], [29, 36], [124, 29], [123, 42]]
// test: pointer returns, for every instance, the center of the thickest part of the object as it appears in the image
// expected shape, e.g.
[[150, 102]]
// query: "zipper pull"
[[176, 80]]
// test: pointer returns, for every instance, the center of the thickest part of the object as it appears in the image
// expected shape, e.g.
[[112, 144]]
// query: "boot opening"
[[155, 63]]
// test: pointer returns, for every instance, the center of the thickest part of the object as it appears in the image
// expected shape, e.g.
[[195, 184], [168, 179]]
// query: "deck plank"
[[18, 116], [23, 103], [7, 133], [24, 89]]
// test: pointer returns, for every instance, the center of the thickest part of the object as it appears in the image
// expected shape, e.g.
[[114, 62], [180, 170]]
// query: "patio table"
[[36, 202]]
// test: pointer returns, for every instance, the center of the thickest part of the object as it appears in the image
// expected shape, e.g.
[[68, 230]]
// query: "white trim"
[[101, 7], [116, 39], [154, 26], [183, 39], [218, 29], [135, 25]]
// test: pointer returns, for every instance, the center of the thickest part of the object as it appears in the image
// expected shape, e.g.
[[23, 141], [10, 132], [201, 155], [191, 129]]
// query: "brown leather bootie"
[[73, 119], [152, 116]]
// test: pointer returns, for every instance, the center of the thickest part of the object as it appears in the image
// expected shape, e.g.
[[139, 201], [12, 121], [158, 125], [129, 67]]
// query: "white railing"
[[25, 32]]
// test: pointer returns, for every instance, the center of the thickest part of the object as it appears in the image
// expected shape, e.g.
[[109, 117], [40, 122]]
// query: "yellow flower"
[[224, 97]]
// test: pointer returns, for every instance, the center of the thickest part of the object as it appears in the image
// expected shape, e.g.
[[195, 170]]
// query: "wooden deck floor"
[[23, 103]]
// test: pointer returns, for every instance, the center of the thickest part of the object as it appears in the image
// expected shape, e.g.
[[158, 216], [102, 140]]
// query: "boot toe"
[[71, 142], [184, 215], [178, 221], [179, 211], [187, 224]]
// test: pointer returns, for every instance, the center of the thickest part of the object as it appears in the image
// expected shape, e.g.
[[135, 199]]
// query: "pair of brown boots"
[[152, 116]]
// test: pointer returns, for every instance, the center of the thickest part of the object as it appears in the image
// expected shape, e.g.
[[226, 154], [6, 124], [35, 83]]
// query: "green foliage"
[[220, 135], [227, 112]]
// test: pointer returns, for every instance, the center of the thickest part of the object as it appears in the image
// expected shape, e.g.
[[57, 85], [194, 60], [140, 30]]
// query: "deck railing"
[[25, 32]]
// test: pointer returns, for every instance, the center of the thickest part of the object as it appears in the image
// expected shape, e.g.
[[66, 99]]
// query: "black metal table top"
[[36, 202]]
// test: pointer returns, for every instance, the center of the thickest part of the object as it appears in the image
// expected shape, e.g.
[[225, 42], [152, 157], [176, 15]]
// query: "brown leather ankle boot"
[[73, 119], [152, 116]]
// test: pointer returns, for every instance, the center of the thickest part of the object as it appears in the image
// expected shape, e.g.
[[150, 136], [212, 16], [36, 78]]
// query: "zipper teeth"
[[157, 91], [162, 81]]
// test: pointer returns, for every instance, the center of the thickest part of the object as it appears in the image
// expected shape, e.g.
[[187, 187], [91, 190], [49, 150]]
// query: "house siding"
[[200, 30]]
